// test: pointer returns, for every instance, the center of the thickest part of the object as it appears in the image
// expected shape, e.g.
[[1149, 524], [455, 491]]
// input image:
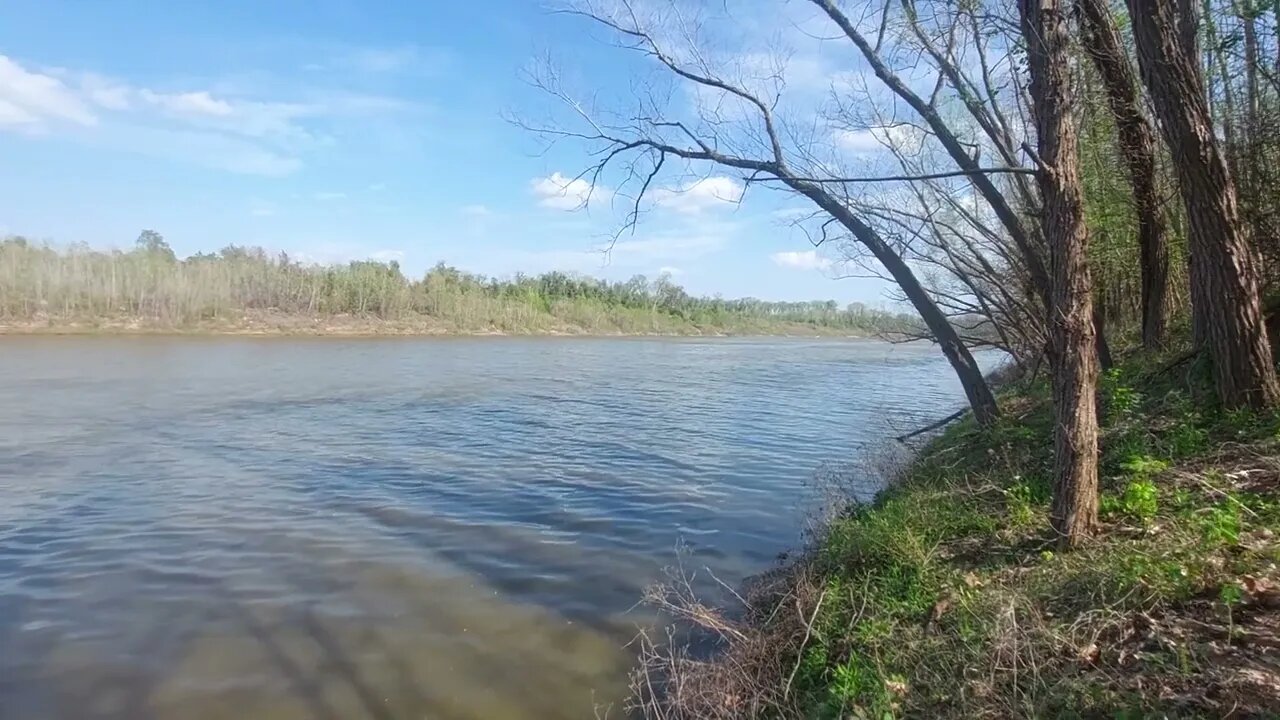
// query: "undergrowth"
[[947, 597]]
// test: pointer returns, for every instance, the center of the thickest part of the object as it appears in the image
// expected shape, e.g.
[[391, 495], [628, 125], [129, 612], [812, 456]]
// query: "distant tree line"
[[149, 282]]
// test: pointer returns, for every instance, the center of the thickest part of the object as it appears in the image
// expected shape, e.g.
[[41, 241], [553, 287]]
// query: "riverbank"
[[946, 598], [287, 324]]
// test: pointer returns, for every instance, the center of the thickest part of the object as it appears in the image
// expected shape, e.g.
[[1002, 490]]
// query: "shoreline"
[[1170, 610], [353, 327]]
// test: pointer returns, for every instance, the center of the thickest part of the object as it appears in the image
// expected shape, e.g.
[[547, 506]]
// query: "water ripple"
[[446, 528]]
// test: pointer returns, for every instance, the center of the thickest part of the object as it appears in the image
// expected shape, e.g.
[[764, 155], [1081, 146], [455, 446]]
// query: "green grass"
[[946, 597]]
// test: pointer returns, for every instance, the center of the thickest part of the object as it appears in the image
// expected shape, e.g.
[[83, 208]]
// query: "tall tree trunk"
[[1074, 512], [1138, 146], [976, 389], [1249, 23], [1224, 271]]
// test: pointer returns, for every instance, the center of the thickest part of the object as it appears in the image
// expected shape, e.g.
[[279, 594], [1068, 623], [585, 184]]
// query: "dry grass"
[[723, 666]]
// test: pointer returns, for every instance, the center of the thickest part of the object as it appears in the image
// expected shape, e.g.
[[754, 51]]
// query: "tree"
[[1074, 511], [153, 244], [959, 151], [1224, 271], [1136, 141], [651, 135]]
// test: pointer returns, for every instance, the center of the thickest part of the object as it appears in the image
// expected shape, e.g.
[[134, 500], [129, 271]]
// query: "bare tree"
[[1136, 141], [1074, 513], [1224, 271], [742, 132], [1028, 243]]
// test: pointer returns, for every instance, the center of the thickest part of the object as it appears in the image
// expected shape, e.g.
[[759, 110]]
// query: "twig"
[[932, 426], [808, 630], [1174, 363], [725, 585], [905, 178]]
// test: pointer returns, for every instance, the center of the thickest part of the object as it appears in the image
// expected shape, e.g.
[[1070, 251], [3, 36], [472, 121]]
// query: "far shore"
[[355, 327]]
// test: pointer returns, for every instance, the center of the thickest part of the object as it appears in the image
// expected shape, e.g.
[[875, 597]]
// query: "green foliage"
[[1143, 467], [1231, 594], [1220, 525], [1139, 499], [1138, 502], [1022, 502], [858, 687], [1119, 400], [150, 284], [951, 568], [1188, 435]]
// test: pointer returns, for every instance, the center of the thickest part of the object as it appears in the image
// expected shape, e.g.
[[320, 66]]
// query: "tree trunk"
[[1105, 361], [1224, 271], [976, 389], [1138, 146], [1074, 513], [1249, 23]]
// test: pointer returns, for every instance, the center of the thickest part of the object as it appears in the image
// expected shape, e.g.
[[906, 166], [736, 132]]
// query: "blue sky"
[[341, 129]]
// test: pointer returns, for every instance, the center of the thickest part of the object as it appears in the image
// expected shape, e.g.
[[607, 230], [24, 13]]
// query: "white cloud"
[[800, 260], [669, 270], [188, 103], [700, 195], [880, 138], [330, 196], [858, 141], [475, 210], [105, 92], [563, 193], [223, 130], [29, 100]]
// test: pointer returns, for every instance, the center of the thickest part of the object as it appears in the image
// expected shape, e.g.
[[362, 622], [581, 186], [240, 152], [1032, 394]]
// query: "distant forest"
[[151, 286]]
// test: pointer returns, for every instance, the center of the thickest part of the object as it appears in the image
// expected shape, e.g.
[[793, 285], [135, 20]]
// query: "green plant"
[[1020, 501], [856, 686], [1221, 525], [1137, 502], [1144, 467], [1120, 401]]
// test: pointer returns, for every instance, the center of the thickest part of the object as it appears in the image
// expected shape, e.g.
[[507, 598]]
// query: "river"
[[324, 529]]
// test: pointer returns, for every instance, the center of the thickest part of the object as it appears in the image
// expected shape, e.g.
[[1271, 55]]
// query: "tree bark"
[[1074, 512], [1138, 147], [1224, 271]]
